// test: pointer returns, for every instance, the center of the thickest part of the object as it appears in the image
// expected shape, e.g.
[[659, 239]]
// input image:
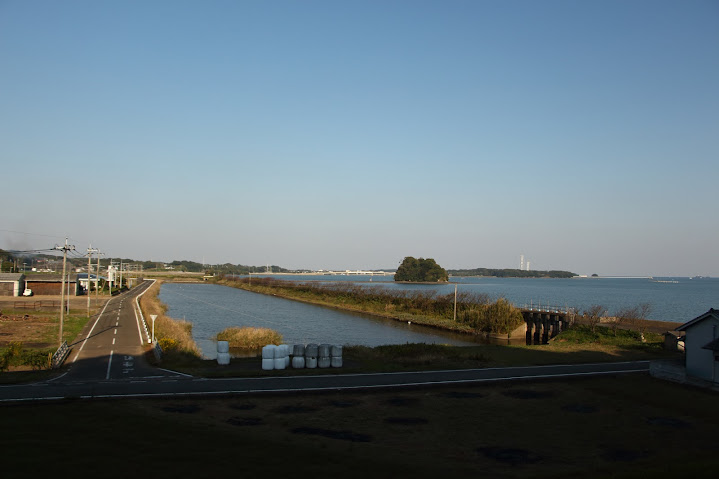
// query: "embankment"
[[173, 335], [475, 314]]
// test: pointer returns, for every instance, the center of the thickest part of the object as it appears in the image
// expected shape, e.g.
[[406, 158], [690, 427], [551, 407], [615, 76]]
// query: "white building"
[[701, 346]]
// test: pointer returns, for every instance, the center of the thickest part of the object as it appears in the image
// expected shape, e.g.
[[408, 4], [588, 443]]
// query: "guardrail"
[[142, 316], [539, 308], [36, 305], [60, 355]]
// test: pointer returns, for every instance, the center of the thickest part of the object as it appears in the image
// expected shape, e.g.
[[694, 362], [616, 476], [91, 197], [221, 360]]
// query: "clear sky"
[[350, 134]]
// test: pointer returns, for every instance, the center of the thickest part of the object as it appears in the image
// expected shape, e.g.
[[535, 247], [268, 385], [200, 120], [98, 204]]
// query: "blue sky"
[[350, 134]]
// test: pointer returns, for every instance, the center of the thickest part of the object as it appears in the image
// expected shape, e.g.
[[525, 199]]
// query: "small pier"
[[544, 322]]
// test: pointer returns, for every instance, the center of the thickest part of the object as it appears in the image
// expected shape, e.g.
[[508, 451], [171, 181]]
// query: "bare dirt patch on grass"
[[509, 455], [333, 434], [30, 330], [21, 322]]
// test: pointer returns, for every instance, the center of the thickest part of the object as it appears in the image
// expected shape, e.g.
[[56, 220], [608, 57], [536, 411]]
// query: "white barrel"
[[223, 358], [268, 352], [336, 351], [324, 362], [268, 364], [280, 363], [311, 351], [310, 363], [324, 351], [223, 346], [336, 361], [298, 350], [298, 362], [284, 350]]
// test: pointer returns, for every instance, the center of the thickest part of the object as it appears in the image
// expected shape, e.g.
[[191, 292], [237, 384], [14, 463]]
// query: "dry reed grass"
[[249, 337], [173, 335]]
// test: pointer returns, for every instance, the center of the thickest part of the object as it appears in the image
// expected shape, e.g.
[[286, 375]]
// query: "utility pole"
[[110, 283], [97, 278], [455, 303], [90, 250], [64, 250]]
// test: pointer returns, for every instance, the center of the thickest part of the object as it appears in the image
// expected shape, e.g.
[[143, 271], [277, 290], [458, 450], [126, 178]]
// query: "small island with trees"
[[420, 271]]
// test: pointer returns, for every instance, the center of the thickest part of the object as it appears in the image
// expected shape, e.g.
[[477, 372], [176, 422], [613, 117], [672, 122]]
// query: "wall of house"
[[7, 288], [50, 288], [700, 362]]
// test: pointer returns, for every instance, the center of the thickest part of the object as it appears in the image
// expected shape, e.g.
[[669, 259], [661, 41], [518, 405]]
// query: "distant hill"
[[510, 273]]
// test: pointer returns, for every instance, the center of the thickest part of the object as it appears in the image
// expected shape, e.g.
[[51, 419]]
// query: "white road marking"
[[109, 363], [90, 333]]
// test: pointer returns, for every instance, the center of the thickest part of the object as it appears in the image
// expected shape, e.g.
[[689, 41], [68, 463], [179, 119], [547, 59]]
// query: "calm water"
[[671, 299], [212, 308]]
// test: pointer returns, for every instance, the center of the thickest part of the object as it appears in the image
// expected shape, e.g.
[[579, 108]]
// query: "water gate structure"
[[544, 322]]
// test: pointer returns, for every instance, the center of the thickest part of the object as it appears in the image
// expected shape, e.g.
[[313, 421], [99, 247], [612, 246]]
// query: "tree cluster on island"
[[420, 270]]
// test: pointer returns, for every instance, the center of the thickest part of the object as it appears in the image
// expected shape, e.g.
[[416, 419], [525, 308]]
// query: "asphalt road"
[[113, 345], [109, 362]]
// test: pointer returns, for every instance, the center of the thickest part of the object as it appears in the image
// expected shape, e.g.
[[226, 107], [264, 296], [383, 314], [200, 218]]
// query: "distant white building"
[[701, 346]]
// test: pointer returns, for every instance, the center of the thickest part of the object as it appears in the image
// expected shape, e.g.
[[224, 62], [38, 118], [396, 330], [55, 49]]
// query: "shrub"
[[593, 315], [168, 345], [249, 337], [499, 317], [37, 359], [16, 355]]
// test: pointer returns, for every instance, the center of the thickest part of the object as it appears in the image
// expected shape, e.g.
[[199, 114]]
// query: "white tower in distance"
[[527, 265], [521, 262]]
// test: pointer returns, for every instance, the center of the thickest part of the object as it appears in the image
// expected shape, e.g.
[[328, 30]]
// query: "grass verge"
[[173, 335]]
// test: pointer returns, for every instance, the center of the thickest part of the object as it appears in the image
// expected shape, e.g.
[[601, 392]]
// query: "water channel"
[[212, 308]]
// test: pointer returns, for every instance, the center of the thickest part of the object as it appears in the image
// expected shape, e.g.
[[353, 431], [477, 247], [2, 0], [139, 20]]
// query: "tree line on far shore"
[[511, 273]]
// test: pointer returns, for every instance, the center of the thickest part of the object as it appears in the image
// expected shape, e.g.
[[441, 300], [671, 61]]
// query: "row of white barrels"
[[310, 356]]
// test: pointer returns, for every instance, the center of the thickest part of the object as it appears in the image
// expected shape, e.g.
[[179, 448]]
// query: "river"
[[212, 308]]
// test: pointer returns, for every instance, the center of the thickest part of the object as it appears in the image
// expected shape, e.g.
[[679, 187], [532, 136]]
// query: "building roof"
[[84, 276], [11, 276], [712, 313], [50, 278]]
